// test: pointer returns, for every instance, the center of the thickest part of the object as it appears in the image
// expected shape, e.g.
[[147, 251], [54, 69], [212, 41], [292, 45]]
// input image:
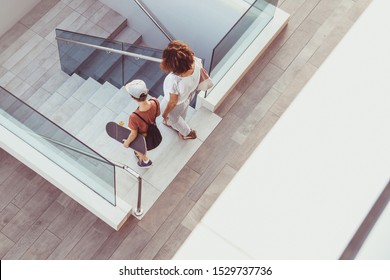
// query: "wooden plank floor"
[[37, 221]]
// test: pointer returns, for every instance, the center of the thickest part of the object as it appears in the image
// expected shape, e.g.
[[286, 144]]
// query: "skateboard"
[[120, 133]]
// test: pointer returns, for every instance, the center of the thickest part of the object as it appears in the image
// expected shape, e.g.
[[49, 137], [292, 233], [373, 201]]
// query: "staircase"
[[30, 69], [84, 107], [96, 57]]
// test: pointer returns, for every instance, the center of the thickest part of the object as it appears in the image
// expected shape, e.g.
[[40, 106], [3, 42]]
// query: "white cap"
[[136, 88]]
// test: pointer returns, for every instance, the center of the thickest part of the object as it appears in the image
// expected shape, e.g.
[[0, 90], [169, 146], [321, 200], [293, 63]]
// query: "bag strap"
[[144, 119], [156, 108]]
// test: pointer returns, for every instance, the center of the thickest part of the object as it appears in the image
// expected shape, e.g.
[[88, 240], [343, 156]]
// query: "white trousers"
[[176, 117]]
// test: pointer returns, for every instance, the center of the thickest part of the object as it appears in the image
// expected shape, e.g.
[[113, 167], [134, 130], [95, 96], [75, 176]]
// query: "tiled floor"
[[58, 228]]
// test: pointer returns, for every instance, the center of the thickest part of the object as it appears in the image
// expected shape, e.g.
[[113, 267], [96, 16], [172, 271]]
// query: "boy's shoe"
[[191, 135], [143, 164]]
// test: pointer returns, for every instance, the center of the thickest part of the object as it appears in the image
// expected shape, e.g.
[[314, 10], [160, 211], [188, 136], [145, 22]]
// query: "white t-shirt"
[[182, 86]]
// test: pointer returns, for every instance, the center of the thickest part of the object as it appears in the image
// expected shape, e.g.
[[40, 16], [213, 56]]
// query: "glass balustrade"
[[240, 36], [220, 32], [59, 146], [78, 55], [217, 30]]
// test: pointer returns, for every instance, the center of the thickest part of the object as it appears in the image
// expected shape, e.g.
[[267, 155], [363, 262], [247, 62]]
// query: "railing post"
[[139, 211]]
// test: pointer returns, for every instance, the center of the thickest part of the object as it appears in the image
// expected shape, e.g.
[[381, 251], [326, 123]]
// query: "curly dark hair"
[[177, 58]]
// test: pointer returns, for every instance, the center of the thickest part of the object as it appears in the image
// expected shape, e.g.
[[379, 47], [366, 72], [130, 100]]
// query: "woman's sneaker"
[[143, 164], [191, 135]]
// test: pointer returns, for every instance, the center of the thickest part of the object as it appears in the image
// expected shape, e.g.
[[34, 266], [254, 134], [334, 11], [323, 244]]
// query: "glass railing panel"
[[104, 65], [148, 71], [71, 55], [87, 61], [240, 36], [218, 31], [100, 64], [66, 151]]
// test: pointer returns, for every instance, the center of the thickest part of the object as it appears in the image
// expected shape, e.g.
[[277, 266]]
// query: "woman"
[[148, 110], [183, 70]]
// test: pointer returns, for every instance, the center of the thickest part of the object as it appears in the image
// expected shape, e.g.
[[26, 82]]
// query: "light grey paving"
[[81, 118], [85, 5], [39, 66], [66, 111], [17, 86], [103, 95], [23, 51], [92, 9], [56, 80], [39, 97], [52, 104], [96, 126], [70, 86], [86, 90], [119, 101], [50, 15], [30, 56], [15, 46]]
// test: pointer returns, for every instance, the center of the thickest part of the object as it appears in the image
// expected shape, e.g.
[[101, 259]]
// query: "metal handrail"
[[110, 50], [138, 211], [154, 20]]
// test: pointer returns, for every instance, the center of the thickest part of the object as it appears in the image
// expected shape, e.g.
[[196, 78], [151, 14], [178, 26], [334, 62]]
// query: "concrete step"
[[52, 104], [96, 126], [51, 19], [129, 36], [74, 102], [100, 62], [103, 95], [66, 111], [70, 86], [105, 23], [55, 79], [120, 100], [113, 23], [86, 90], [81, 118], [131, 67]]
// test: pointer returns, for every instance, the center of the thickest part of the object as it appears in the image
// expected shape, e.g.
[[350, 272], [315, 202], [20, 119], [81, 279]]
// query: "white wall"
[[12, 11]]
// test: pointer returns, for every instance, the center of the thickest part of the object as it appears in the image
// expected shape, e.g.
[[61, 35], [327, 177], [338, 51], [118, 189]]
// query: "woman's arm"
[[133, 134], [173, 98]]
